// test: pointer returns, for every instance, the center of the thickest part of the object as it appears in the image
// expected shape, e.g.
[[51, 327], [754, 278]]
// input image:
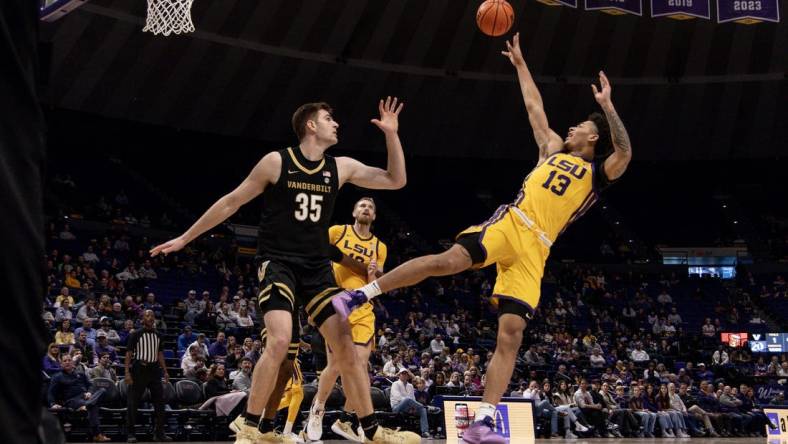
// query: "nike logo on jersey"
[[292, 171]]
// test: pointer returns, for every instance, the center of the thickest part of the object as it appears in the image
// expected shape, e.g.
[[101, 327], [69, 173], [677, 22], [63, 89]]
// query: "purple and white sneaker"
[[346, 301], [483, 432]]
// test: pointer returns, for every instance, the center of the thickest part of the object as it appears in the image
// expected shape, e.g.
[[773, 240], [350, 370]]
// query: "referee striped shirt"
[[145, 345]]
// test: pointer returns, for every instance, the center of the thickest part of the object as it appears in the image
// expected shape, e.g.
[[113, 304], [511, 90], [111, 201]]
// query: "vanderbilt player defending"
[[517, 238], [299, 187], [357, 242]]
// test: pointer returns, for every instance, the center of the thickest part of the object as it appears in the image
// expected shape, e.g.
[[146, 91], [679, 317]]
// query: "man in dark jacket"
[[71, 390]]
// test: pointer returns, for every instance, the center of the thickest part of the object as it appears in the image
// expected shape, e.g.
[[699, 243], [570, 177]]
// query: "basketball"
[[495, 17]]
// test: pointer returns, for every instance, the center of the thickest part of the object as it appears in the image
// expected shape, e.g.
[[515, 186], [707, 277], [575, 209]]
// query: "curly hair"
[[604, 145]]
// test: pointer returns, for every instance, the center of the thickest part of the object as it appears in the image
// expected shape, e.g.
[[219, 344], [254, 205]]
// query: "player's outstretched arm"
[[264, 173], [616, 163], [394, 176], [548, 141]]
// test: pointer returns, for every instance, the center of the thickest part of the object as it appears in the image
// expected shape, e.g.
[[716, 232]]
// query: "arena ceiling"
[[686, 89]]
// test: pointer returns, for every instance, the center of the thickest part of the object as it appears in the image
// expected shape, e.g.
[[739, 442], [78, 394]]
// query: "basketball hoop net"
[[169, 16]]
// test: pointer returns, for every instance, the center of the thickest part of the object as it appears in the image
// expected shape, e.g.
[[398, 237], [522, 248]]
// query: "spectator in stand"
[[123, 335], [186, 338], [102, 346], [437, 345], [64, 296], [72, 390], [234, 357], [454, 380], [563, 375], [638, 354], [192, 307], [720, 357], [244, 321], [224, 319], [708, 330], [242, 378], [64, 335], [564, 403], [87, 328], [591, 411], [674, 317], [113, 338], [63, 312], [217, 384], [533, 358], [51, 364], [627, 423], [732, 405], [192, 362], [256, 351], [202, 343], [104, 368], [421, 393], [218, 350], [597, 360], [118, 316], [664, 298], [709, 402], [394, 366], [702, 374], [648, 419], [84, 346], [403, 400], [88, 310], [664, 404], [151, 304], [72, 281], [544, 408]]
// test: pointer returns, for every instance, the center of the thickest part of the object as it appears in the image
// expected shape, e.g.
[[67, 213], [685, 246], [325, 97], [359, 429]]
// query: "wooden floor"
[[585, 441]]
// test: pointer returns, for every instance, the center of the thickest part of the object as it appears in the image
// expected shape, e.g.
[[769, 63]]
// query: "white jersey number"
[[309, 205]]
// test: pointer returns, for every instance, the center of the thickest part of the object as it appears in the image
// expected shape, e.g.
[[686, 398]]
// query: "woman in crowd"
[[64, 335], [216, 384], [52, 360], [563, 400], [663, 418], [664, 404]]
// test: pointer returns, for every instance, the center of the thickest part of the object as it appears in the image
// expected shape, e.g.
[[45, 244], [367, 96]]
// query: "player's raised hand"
[[602, 96], [513, 51], [171, 246], [389, 115]]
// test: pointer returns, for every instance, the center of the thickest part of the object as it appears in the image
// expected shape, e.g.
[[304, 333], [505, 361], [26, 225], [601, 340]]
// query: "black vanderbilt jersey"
[[298, 208]]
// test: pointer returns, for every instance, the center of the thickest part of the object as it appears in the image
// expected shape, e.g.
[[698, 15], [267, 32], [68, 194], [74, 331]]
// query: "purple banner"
[[616, 7], [681, 9], [748, 11], [766, 392], [570, 3]]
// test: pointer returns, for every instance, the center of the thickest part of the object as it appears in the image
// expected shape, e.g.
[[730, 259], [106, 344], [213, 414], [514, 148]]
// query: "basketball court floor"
[[585, 441]]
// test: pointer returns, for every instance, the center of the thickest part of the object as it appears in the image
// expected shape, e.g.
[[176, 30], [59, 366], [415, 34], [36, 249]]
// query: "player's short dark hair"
[[369, 199], [307, 112], [604, 145]]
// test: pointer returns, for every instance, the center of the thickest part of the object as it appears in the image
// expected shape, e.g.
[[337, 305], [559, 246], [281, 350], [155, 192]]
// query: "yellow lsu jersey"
[[363, 250], [358, 248], [558, 192]]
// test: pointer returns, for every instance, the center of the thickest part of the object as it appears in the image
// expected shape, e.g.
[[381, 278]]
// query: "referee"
[[144, 367]]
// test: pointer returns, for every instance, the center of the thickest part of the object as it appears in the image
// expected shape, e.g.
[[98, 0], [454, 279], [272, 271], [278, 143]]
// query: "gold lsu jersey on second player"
[[360, 249]]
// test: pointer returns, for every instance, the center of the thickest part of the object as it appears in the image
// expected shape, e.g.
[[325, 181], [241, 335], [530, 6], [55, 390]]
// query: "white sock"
[[288, 428], [485, 410], [371, 289]]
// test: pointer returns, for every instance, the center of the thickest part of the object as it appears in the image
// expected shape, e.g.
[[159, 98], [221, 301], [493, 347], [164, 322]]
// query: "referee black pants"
[[142, 377]]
